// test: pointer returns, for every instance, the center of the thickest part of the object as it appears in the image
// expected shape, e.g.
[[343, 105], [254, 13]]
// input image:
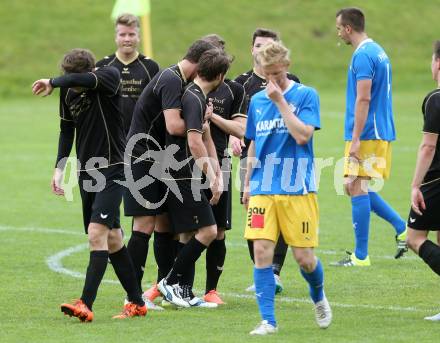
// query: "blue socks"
[[360, 210], [265, 293], [385, 211], [315, 280]]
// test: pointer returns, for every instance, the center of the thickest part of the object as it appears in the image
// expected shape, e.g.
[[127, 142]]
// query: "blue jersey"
[[370, 62], [284, 167]]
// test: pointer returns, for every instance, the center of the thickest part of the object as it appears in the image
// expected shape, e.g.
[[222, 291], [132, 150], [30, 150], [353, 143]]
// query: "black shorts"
[[101, 196], [140, 200], [192, 211], [430, 220], [222, 210]]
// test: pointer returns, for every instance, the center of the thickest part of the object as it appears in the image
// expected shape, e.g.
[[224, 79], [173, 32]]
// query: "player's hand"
[[205, 126], [237, 145], [216, 189], [42, 87], [274, 91], [245, 198], [355, 149], [209, 110], [417, 201], [55, 184]]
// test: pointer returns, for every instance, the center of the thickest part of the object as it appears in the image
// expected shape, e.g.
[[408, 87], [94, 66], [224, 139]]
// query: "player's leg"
[[262, 228], [82, 308], [360, 210], [125, 272], [278, 262], [216, 252], [138, 243]]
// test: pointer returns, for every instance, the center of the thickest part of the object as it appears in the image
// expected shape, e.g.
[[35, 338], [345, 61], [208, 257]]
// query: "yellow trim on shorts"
[[375, 160]]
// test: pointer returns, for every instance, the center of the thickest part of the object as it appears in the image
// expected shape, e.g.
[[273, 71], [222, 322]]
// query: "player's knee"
[[414, 243], [220, 234], [114, 241], [144, 224], [97, 241], [306, 260]]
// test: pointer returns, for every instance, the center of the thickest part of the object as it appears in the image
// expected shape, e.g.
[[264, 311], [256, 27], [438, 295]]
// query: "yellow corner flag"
[[142, 9]]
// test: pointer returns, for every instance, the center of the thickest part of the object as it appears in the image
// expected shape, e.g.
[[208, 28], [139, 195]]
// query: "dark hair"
[[260, 32], [196, 50], [212, 63], [78, 61], [353, 17], [437, 49], [215, 40]]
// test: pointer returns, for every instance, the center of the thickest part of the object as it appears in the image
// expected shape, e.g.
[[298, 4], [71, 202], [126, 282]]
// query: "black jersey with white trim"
[[193, 110], [162, 93], [135, 75], [431, 124], [95, 117], [229, 102]]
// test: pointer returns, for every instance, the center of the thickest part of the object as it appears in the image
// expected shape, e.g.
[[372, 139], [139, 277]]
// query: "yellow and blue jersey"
[[284, 167], [370, 62]]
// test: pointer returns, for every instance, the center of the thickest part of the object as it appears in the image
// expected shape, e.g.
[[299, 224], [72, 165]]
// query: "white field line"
[[228, 243], [54, 262]]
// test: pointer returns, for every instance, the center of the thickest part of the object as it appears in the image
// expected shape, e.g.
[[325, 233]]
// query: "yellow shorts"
[[375, 160], [295, 216]]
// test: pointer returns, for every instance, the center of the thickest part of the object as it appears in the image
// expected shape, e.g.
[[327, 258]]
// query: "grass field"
[[43, 252], [383, 303]]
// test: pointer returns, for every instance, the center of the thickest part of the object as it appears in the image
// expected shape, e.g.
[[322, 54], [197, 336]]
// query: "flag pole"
[[146, 35]]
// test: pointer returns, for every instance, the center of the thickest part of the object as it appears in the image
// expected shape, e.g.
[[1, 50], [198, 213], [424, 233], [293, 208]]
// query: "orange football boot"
[[152, 293], [132, 310], [77, 309], [213, 297]]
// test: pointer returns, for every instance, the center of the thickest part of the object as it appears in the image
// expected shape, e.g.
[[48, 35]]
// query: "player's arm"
[[249, 170], [300, 131], [361, 107], [234, 127], [45, 87], [202, 159], [210, 148], [174, 122], [65, 144], [424, 160]]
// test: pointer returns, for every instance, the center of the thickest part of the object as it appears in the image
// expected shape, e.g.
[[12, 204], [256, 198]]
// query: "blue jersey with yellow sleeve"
[[283, 167], [370, 62]]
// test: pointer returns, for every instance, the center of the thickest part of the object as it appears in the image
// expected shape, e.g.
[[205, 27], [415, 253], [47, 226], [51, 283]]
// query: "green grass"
[[39, 33], [383, 303]]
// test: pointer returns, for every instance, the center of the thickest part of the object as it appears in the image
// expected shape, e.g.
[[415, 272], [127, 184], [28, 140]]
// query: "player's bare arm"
[[174, 122], [299, 131], [424, 160], [362, 106], [249, 169]]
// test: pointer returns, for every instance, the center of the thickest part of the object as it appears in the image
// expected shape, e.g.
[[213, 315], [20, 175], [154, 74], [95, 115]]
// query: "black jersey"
[[162, 93], [431, 124], [95, 117], [193, 109], [135, 75], [229, 102]]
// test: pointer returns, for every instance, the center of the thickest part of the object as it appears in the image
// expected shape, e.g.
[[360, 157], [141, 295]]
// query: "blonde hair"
[[127, 19], [273, 53]]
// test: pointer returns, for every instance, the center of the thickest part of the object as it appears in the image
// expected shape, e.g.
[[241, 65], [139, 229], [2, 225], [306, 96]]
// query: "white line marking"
[[55, 264]]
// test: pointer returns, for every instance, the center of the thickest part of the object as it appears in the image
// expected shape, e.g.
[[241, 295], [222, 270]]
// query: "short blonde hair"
[[127, 19], [273, 53]]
